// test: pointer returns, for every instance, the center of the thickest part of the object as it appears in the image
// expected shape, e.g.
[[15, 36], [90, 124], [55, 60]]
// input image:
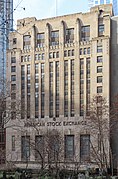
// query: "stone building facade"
[[55, 67]]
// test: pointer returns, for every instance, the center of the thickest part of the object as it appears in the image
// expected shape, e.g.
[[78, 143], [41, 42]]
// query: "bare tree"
[[98, 124]]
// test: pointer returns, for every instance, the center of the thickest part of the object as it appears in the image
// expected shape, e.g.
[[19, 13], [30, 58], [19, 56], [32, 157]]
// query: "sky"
[[47, 8]]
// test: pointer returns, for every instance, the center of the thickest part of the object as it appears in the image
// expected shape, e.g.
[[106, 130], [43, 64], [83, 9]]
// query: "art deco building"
[[55, 66]]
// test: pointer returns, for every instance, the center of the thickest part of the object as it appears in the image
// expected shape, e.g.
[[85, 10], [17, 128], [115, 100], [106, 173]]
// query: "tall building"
[[55, 67], [6, 26], [92, 3], [114, 84], [115, 7]]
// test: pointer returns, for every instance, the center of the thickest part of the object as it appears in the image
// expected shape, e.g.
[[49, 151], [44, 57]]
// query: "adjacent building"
[[55, 67], [6, 26], [92, 3]]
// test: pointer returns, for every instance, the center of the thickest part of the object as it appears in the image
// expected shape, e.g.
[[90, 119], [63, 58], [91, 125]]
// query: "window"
[[69, 52], [36, 68], [69, 36], [54, 39], [13, 87], [99, 79], [88, 50], [96, 2], [26, 42], [81, 51], [85, 33], [28, 69], [73, 52], [54, 55], [13, 77], [14, 41], [99, 111], [85, 147], [13, 68], [99, 48], [101, 1], [99, 69], [65, 53], [40, 39], [13, 143], [36, 56], [50, 55], [100, 29], [39, 147], [69, 146], [40, 57], [99, 59], [99, 89], [28, 58], [57, 54], [13, 96], [85, 51], [25, 147], [13, 59], [43, 56]]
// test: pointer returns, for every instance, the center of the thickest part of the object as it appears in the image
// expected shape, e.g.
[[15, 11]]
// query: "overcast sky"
[[47, 8]]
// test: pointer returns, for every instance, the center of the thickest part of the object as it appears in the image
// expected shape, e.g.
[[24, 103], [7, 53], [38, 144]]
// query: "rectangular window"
[[13, 87], [42, 90], [13, 143], [99, 48], [101, 29], [66, 88], [57, 89], [13, 77], [69, 146], [36, 68], [99, 79], [14, 41], [85, 33], [99, 89], [85, 147], [40, 39], [39, 147], [51, 89], [81, 51], [57, 55], [25, 147], [54, 39], [13, 59], [99, 69], [73, 52], [85, 51], [65, 53], [101, 1], [69, 35], [69, 53], [50, 55], [43, 56], [99, 59], [13, 96], [28, 58], [13, 68], [26, 41], [88, 50], [28, 69]]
